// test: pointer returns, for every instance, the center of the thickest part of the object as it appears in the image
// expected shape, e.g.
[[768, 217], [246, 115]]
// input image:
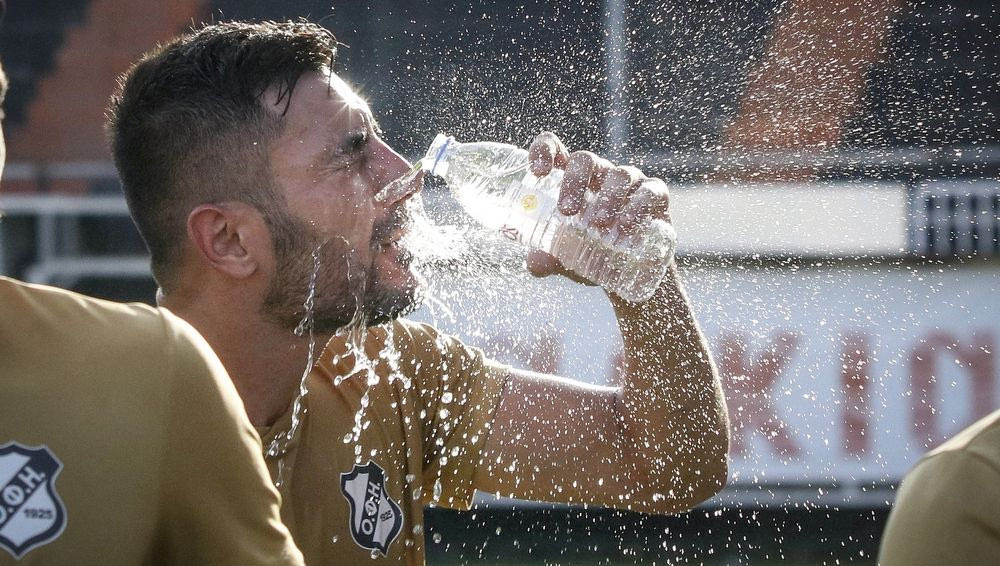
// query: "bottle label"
[[529, 202], [510, 233]]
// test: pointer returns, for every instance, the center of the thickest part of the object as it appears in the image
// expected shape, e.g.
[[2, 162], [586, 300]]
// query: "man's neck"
[[265, 361]]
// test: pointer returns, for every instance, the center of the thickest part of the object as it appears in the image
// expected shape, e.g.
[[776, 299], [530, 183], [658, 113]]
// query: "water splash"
[[279, 445], [356, 336]]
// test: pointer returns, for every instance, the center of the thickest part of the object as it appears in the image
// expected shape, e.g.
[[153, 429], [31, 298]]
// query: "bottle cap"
[[436, 151]]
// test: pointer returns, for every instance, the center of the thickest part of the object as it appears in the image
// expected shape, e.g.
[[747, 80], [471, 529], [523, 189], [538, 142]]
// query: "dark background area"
[[795, 536], [506, 70]]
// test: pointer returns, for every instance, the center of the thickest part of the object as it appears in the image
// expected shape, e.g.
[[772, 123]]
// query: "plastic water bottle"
[[494, 184]]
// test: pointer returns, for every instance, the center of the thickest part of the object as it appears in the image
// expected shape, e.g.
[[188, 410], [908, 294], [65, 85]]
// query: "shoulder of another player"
[[979, 442], [944, 478]]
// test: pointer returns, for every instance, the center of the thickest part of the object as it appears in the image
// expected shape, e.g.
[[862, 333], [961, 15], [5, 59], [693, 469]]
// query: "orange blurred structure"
[[809, 82], [65, 120]]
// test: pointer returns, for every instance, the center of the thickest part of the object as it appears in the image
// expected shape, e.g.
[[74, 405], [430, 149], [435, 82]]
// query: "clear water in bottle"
[[493, 183]]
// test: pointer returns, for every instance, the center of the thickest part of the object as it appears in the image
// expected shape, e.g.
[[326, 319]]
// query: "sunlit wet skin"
[[330, 164]]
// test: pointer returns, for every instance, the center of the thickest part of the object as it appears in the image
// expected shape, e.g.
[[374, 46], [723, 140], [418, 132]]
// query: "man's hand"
[[620, 197]]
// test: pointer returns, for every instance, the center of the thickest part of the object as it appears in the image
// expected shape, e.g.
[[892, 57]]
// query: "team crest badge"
[[375, 518], [31, 513]]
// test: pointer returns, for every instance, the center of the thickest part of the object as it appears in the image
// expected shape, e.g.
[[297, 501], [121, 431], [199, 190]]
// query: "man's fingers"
[[650, 200], [615, 189], [580, 173], [545, 152], [622, 195]]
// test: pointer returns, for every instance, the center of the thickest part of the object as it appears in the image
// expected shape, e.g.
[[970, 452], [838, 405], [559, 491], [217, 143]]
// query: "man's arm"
[[658, 443]]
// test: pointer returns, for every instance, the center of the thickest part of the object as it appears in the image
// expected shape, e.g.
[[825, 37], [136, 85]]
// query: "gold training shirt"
[[948, 507], [373, 447], [122, 441]]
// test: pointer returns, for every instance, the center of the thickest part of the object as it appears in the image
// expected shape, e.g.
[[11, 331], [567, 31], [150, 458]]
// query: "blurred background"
[[835, 182]]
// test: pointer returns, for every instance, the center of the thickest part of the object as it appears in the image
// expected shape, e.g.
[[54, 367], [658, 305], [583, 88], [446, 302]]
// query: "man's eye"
[[356, 142]]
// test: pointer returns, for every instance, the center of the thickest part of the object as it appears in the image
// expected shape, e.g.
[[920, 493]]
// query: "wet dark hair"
[[187, 125]]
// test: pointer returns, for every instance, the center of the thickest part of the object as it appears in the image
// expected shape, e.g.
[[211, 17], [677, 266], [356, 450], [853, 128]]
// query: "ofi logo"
[[31, 513], [375, 518]]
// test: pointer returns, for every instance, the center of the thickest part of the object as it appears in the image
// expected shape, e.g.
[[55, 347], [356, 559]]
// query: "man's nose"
[[398, 179]]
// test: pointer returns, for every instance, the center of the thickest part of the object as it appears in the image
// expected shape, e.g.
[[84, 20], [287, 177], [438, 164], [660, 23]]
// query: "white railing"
[[59, 259]]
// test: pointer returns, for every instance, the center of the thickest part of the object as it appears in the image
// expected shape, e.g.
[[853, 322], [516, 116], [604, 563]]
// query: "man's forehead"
[[327, 98], [330, 86], [344, 91], [317, 86]]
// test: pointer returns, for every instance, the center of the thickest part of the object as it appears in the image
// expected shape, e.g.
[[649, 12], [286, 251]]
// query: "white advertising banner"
[[836, 375]]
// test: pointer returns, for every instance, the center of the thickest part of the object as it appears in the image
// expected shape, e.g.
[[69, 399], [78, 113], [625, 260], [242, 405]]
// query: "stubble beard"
[[348, 289]]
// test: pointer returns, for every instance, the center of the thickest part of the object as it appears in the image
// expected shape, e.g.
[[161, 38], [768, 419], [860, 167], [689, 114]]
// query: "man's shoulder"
[[978, 444], [52, 302], [405, 335], [415, 331], [49, 318], [139, 365], [406, 338]]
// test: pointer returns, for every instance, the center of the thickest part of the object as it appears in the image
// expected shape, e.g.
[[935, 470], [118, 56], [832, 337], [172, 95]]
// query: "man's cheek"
[[348, 225]]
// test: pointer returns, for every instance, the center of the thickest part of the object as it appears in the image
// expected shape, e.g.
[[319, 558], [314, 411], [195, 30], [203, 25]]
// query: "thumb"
[[541, 264]]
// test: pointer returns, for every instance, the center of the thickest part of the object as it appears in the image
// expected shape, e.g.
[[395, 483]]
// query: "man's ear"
[[228, 236]]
